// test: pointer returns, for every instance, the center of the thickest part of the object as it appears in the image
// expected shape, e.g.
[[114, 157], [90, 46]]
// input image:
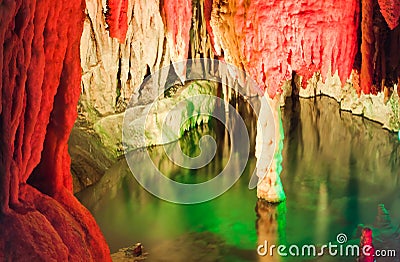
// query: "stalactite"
[[117, 19], [200, 41], [380, 61], [367, 46], [105, 59], [380, 31], [207, 17], [177, 19], [390, 9], [393, 55], [270, 39]]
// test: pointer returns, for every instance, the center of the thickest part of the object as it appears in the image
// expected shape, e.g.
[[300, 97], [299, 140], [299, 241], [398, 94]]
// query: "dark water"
[[336, 169]]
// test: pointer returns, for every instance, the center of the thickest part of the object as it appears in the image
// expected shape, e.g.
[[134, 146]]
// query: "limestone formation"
[[272, 42], [41, 220], [269, 161], [371, 106], [272, 39], [170, 115], [113, 68], [122, 42], [116, 58]]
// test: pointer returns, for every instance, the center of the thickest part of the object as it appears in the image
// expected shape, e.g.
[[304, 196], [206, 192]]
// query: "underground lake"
[[337, 169], [111, 148]]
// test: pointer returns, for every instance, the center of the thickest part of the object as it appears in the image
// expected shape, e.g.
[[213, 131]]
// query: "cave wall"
[[125, 41], [40, 219], [122, 42]]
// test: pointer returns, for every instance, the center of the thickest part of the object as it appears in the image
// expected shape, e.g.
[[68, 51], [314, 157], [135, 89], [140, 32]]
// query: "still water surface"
[[336, 169]]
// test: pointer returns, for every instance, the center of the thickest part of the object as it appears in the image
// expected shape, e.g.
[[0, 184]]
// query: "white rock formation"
[[269, 152], [164, 117], [370, 106]]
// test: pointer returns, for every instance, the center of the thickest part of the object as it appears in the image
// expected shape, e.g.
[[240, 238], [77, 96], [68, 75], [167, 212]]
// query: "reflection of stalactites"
[[226, 148], [321, 219], [271, 227]]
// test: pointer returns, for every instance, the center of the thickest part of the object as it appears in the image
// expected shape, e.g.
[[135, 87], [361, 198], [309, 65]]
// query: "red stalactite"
[[207, 17], [367, 46], [39, 90], [390, 10], [117, 19], [177, 17], [276, 37]]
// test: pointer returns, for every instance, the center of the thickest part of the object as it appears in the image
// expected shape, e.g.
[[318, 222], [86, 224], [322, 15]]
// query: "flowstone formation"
[[40, 219]]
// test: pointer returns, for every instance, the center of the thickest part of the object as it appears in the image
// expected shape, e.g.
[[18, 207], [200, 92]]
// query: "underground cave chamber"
[[298, 100]]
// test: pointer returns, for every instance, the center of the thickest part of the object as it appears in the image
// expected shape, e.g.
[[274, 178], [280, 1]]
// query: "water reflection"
[[336, 169], [271, 229]]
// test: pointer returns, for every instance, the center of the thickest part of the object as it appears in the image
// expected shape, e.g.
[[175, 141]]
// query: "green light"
[[399, 135]]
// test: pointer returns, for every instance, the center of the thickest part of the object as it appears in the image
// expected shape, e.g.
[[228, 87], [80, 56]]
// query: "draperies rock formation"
[[345, 49], [270, 39], [40, 76], [323, 42], [40, 219], [118, 50]]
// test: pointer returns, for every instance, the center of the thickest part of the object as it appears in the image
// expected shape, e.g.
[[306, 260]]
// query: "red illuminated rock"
[[367, 46], [272, 38], [367, 249], [39, 87], [207, 16], [390, 10], [177, 18], [117, 19]]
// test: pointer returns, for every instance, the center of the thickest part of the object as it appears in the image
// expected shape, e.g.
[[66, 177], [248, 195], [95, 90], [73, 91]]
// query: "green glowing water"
[[336, 169]]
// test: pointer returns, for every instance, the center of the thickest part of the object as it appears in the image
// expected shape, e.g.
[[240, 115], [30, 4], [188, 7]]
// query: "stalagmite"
[[366, 247], [270, 187]]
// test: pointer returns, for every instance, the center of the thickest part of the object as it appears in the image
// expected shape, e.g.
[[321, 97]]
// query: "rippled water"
[[336, 169]]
